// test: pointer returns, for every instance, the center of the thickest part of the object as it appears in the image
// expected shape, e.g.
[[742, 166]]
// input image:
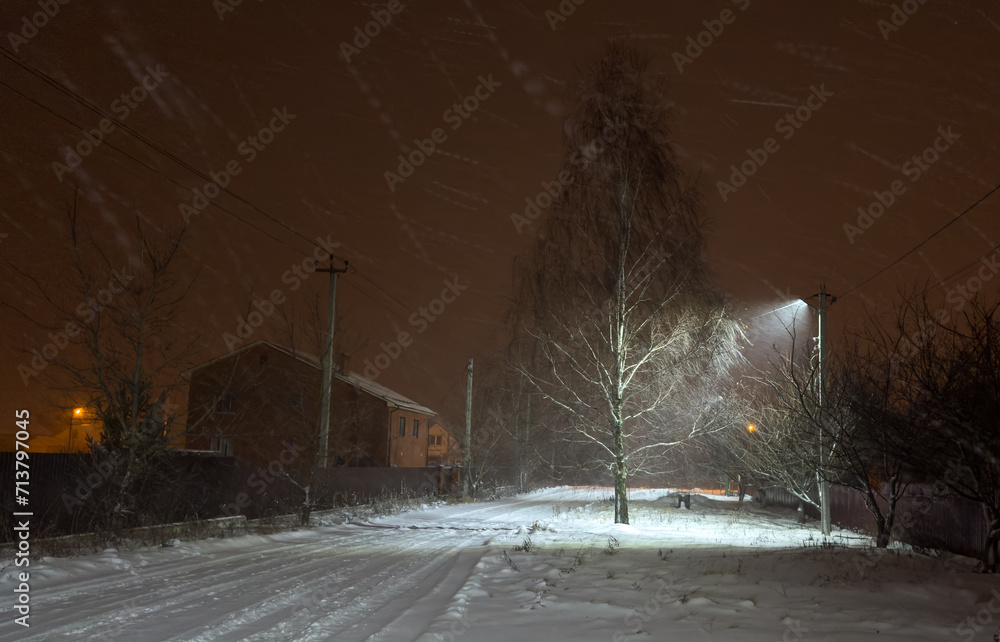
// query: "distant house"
[[263, 399], [442, 447]]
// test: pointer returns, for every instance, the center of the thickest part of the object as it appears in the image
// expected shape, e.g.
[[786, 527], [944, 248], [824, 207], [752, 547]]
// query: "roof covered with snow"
[[391, 397]]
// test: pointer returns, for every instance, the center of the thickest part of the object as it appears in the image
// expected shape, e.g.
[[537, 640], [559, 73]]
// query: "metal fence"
[[61, 486], [923, 519]]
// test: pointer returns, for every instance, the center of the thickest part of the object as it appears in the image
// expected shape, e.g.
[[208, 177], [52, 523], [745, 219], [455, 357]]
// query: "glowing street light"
[[751, 427], [77, 412]]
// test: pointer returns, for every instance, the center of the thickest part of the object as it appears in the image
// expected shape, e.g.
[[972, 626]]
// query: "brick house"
[[442, 447], [263, 399]]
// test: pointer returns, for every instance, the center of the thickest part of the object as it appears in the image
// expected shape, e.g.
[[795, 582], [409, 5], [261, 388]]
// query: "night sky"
[[848, 96]]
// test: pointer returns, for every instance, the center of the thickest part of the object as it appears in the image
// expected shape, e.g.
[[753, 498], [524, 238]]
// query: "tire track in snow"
[[362, 610], [173, 589]]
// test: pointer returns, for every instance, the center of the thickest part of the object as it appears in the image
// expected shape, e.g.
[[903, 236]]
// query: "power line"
[[52, 82], [922, 243], [97, 110], [383, 290], [146, 165], [941, 283]]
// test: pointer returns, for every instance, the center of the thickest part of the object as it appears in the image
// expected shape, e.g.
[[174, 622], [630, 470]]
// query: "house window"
[[435, 440], [225, 402], [416, 428], [402, 426]]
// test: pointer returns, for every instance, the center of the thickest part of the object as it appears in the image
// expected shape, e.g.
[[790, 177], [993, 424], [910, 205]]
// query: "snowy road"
[[386, 580], [717, 572]]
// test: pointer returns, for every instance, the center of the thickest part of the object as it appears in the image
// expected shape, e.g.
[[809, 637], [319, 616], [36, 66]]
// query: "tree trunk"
[[991, 556], [885, 527], [306, 508], [743, 490], [621, 480], [882, 534]]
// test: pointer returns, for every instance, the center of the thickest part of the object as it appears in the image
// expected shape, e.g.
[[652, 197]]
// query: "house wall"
[[408, 451], [275, 405], [447, 453]]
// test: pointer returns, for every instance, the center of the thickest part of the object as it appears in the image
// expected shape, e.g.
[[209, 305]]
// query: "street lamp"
[[77, 412], [824, 485]]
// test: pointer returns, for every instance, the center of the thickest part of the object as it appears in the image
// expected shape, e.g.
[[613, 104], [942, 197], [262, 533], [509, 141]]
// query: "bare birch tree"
[[614, 313]]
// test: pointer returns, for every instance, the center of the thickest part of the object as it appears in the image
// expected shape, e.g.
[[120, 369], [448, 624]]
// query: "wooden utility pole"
[[467, 458], [324, 411]]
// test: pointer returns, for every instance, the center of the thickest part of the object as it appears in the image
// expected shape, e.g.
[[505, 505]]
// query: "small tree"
[[121, 361], [862, 420], [870, 456], [950, 370]]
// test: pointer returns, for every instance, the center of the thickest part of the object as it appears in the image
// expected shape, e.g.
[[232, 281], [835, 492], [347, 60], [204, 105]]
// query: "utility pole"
[[824, 484], [467, 458], [523, 445], [331, 314]]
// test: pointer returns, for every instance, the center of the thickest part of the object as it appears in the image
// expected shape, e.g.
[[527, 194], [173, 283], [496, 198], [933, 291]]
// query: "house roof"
[[378, 390], [391, 397], [451, 433], [436, 421]]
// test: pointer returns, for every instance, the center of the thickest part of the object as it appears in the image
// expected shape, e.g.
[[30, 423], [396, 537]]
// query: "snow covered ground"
[[548, 565]]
